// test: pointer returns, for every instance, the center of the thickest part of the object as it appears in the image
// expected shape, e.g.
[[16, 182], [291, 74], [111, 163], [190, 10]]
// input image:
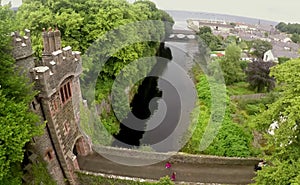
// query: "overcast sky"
[[275, 10]]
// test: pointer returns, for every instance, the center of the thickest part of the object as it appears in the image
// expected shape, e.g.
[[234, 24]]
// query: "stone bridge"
[[191, 169], [182, 35]]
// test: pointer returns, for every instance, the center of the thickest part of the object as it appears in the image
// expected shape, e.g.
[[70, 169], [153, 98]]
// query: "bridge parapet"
[[176, 157]]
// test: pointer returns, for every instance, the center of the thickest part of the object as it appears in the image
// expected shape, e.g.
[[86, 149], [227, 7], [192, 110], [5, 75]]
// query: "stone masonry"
[[56, 78]]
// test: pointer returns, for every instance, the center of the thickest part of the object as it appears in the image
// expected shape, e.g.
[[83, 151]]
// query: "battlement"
[[53, 53], [21, 45], [57, 63], [60, 57]]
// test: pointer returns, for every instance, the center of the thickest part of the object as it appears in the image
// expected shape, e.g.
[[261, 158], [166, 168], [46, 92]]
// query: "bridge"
[[190, 169], [182, 35]]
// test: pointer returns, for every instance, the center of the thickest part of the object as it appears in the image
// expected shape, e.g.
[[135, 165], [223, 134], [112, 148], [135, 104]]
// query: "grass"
[[86, 179], [240, 88]]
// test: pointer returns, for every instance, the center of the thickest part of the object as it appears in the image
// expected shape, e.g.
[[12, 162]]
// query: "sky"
[[274, 10]]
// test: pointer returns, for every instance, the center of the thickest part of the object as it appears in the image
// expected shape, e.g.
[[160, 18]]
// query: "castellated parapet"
[[58, 63], [22, 52], [21, 45]]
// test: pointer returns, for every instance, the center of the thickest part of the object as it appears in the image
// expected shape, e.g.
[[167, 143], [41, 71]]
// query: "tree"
[[283, 151], [258, 76], [231, 40], [243, 45], [289, 28], [281, 26], [211, 41], [260, 47], [17, 122], [231, 66], [204, 29], [295, 38]]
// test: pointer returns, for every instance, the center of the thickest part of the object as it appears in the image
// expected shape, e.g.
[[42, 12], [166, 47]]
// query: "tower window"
[[62, 95], [49, 155], [66, 127], [69, 89], [65, 92]]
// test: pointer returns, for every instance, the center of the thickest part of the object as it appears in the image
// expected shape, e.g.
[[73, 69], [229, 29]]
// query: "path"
[[204, 173]]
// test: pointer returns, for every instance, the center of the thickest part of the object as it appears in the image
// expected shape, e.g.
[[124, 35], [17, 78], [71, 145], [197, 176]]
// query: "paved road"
[[188, 172]]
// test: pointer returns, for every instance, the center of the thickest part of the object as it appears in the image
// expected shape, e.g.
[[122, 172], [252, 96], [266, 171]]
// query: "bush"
[[231, 141], [282, 60]]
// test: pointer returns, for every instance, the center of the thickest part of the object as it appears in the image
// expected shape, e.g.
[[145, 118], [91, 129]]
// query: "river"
[[166, 115]]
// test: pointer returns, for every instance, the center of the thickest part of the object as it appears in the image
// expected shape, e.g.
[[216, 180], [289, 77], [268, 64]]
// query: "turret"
[[22, 51], [21, 45]]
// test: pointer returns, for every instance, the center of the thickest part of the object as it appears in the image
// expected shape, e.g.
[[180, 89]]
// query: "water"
[[172, 117], [165, 114], [180, 18]]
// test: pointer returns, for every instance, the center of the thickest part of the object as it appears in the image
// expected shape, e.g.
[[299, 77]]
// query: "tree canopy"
[[289, 28], [83, 22], [212, 41], [204, 29], [231, 66], [258, 76], [283, 147], [17, 122], [260, 47]]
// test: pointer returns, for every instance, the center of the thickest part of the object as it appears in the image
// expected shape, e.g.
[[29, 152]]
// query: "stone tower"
[[22, 51], [56, 79]]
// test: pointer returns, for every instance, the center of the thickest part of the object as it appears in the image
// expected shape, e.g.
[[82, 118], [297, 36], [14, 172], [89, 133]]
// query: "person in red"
[[173, 176], [168, 165]]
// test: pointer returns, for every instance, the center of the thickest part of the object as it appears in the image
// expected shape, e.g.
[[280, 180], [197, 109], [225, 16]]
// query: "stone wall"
[[248, 96], [43, 147], [174, 156]]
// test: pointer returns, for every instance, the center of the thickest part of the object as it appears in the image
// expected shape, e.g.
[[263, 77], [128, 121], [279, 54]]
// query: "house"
[[287, 40], [269, 57]]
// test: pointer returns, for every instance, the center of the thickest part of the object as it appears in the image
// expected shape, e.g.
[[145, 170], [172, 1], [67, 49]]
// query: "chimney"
[[45, 42], [57, 39], [51, 40]]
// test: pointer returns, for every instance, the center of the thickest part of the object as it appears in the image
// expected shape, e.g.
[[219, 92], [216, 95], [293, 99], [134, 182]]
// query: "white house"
[[268, 56], [287, 40]]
